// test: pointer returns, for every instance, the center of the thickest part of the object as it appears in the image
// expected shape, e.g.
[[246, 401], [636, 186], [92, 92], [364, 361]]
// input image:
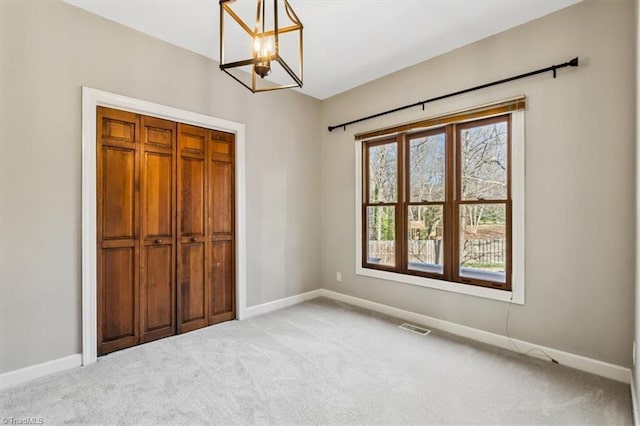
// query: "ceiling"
[[346, 42]]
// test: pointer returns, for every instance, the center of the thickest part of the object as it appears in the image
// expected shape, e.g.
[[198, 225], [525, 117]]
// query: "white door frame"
[[92, 98]]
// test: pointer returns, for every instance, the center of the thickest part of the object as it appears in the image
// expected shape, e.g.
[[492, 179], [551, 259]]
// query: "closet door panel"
[[192, 245], [118, 212], [158, 195], [159, 133], [221, 197], [118, 126], [159, 289], [119, 296], [192, 219], [192, 284], [158, 222], [221, 211], [117, 229], [193, 139], [222, 293]]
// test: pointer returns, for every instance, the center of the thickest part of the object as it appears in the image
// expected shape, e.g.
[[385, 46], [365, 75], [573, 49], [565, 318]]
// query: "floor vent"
[[415, 329]]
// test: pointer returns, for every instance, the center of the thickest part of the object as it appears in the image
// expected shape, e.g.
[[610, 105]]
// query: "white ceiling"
[[346, 42]]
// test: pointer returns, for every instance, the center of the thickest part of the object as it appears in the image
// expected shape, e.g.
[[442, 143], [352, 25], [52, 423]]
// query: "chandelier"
[[254, 52]]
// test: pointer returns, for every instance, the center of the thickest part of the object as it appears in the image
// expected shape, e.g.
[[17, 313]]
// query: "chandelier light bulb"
[[263, 48]]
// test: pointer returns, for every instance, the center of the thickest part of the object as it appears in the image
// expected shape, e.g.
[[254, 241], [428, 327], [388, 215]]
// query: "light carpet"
[[320, 362]]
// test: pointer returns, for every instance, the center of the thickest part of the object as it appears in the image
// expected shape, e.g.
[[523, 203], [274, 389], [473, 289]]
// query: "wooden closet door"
[[192, 250], [158, 229], [221, 227], [118, 228]]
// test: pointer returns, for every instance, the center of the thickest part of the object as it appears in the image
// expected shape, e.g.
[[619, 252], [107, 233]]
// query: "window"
[[437, 205]]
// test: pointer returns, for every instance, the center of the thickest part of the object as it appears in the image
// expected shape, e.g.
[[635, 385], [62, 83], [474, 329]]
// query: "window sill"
[[516, 297]]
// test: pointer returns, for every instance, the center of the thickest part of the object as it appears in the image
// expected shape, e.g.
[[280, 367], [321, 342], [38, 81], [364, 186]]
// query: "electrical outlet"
[[339, 277]]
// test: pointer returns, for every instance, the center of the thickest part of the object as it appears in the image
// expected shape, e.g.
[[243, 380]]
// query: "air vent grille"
[[415, 329]]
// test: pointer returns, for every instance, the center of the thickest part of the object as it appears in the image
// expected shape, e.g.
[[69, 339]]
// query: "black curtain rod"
[[572, 63]]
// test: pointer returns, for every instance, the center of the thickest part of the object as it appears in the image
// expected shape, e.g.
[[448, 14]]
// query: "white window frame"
[[516, 294]]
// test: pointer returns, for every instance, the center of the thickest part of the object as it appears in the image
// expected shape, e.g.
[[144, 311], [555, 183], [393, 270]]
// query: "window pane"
[[484, 162], [426, 248], [483, 241], [427, 160], [381, 232], [383, 173]]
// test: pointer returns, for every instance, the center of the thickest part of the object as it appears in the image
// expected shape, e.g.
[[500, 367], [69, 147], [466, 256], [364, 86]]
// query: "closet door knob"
[[193, 239], [158, 241]]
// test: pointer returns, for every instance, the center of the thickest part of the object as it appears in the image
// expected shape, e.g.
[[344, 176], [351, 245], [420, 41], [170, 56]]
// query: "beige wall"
[[48, 51], [580, 169]]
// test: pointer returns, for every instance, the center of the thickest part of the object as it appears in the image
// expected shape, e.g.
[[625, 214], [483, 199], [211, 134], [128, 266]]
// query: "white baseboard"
[[634, 402], [256, 310], [16, 377], [578, 362]]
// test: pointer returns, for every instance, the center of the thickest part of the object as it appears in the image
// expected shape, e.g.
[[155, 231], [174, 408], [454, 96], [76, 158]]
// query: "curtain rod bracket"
[[571, 63]]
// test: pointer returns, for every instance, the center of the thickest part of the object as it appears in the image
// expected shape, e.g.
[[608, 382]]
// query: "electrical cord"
[[514, 347]]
